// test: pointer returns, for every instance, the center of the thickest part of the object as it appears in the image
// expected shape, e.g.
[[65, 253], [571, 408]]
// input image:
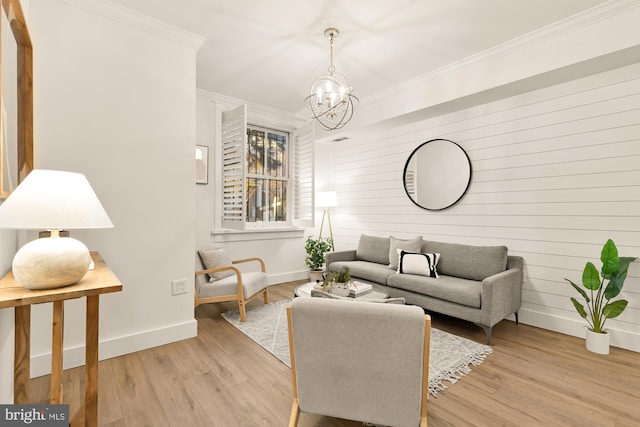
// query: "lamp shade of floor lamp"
[[52, 200], [327, 200]]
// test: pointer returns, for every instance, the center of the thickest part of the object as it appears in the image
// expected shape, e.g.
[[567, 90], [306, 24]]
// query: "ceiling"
[[269, 52]]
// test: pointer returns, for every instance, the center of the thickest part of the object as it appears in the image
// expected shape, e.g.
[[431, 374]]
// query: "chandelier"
[[331, 100]]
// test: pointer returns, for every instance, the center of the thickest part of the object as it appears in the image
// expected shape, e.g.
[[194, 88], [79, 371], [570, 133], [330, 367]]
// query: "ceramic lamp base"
[[51, 263]]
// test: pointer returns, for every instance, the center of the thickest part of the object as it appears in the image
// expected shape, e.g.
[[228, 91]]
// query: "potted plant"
[[338, 282], [316, 250], [342, 276], [597, 296]]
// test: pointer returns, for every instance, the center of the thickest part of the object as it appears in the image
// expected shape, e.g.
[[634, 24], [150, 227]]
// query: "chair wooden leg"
[[295, 414], [243, 311], [295, 408], [265, 294]]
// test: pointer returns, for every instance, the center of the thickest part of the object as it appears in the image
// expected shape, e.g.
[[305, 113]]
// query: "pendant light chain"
[[332, 69]]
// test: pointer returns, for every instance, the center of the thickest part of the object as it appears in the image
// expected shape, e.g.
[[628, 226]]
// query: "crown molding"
[[139, 21], [261, 115], [556, 30]]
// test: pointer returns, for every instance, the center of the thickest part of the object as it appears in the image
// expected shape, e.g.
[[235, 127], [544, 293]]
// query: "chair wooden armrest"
[[216, 269], [236, 270], [263, 267]]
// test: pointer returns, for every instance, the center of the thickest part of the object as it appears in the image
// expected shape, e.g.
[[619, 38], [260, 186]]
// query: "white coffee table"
[[378, 292]]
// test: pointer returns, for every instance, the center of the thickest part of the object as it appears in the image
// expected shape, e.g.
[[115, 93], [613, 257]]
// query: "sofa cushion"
[[466, 261], [214, 258], [371, 271], [412, 245], [418, 263], [453, 289], [373, 249]]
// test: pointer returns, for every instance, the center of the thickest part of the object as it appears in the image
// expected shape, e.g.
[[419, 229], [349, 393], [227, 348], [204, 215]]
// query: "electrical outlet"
[[179, 287]]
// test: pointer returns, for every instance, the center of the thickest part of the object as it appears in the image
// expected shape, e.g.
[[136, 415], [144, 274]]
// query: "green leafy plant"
[[342, 276], [598, 296], [316, 250]]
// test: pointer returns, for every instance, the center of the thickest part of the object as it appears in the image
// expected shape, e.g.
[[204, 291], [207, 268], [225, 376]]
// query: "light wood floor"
[[221, 378]]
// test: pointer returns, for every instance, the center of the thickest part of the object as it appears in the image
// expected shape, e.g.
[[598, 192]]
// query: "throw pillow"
[[412, 245], [216, 258], [417, 263], [373, 249]]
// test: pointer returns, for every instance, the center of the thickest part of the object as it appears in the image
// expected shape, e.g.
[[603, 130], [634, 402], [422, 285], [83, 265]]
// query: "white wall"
[[556, 172], [114, 97]]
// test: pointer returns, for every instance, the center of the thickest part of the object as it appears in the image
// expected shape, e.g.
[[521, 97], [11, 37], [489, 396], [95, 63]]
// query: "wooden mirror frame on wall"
[[18, 24]]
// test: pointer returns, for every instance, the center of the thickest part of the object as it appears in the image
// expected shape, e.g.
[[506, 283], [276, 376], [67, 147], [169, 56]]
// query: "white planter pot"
[[315, 275], [341, 289], [598, 343]]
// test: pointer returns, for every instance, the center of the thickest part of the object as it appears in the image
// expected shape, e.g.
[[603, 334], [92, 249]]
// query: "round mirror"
[[437, 174]]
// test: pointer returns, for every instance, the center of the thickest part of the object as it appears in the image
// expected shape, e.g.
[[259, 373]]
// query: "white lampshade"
[[49, 199], [52, 200], [326, 199]]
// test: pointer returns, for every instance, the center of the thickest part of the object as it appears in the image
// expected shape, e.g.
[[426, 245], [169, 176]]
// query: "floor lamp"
[[326, 200]]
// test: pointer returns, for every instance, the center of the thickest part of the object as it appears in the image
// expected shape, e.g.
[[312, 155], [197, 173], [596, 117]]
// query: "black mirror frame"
[[406, 165]]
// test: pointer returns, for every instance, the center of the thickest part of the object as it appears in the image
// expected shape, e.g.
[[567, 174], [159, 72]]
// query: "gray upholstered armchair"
[[360, 361], [221, 280]]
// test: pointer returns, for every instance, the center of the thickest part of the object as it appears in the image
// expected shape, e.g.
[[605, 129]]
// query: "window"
[[267, 175], [257, 189]]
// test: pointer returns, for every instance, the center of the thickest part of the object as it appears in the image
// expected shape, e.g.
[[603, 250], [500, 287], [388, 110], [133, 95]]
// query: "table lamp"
[[327, 200], [52, 200]]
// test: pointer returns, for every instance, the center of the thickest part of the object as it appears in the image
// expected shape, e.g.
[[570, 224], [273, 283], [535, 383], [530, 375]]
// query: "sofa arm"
[[349, 255], [501, 295]]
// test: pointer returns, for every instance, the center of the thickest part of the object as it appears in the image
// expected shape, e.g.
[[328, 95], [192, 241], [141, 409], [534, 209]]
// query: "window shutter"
[[303, 173], [234, 134]]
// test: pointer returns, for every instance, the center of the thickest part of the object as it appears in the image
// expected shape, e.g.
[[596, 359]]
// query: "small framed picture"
[[202, 164]]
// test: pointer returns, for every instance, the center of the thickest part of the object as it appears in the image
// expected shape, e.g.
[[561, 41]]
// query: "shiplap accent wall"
[[556, 172]]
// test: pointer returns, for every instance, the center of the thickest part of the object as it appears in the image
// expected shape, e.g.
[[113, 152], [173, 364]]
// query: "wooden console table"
[[98, 281]]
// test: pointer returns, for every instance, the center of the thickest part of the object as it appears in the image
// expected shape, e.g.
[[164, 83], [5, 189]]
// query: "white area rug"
[[449, 360]]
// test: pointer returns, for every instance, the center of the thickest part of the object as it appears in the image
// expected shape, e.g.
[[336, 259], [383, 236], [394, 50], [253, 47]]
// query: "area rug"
[[450, 356]]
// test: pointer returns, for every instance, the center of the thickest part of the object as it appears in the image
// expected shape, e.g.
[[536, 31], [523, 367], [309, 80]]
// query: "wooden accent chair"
[[360, 361], [224, 281]]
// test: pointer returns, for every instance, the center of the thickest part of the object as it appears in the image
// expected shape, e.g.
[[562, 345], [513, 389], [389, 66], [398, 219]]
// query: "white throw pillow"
[[412, 245], [216, 258], [418, 263]]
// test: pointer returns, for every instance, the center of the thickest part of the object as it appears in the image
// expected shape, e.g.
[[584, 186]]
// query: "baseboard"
[[112, 347], [619, 338]]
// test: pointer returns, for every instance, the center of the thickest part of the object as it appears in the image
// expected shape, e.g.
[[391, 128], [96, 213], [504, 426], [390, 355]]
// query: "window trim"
[[229, 235]]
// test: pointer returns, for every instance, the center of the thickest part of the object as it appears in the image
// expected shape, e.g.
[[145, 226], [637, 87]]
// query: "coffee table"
[[377, 293]]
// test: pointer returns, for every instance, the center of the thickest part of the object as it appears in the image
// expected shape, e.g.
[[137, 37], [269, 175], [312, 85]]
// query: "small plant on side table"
[[342, 276], [338, 282]]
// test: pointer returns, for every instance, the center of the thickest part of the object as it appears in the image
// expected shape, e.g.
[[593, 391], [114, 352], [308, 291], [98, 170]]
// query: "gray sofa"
[[480, 284]]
